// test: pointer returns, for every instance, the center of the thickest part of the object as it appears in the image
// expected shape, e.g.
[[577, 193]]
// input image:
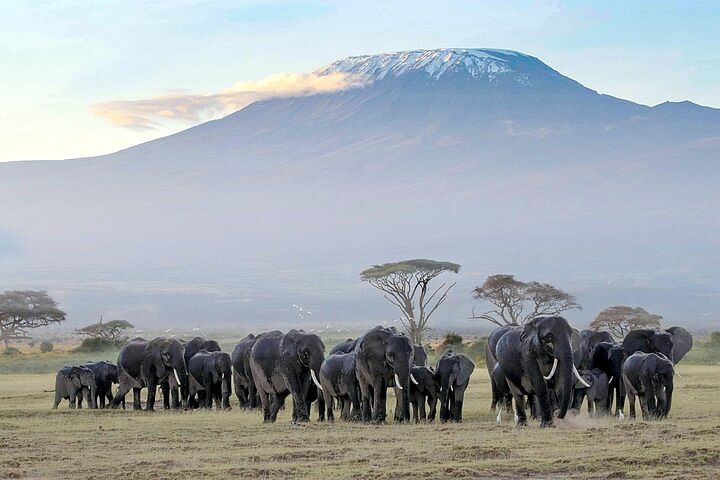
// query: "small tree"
[[113, 331], [517, 302], [406, 285], [621, 319], [23, 310]]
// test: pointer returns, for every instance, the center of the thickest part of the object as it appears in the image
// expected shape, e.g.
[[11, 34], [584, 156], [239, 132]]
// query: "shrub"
[[46, 347], [11, 352], [97, 345], [476, 349]]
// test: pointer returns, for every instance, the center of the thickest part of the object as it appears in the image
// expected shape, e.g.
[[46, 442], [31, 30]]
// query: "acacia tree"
[[23, 310], [112, 331], [621, 319], [516, 302], [406, 285]]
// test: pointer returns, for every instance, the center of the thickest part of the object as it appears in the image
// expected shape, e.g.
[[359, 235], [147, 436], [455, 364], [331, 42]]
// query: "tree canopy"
[[112, 331], [406, 285], [621, 319], [516, 302], [23, 310]]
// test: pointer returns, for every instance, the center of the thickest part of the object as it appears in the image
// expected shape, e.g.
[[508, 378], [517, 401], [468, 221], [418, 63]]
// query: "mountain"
[[487, 158]]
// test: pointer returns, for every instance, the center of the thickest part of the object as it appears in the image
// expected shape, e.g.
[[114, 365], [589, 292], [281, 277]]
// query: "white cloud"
[[154, 113]]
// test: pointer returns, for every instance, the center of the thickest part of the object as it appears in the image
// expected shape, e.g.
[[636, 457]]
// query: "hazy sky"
[[66, 65]]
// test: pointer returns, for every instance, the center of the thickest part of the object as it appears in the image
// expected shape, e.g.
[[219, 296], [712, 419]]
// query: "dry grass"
[[37, 442]]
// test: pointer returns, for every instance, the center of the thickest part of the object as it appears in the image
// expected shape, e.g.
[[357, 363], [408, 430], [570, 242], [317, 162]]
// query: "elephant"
[[491, 360], [674, 343], [501, 391], [423, 390], [344, 347], [339, 383], [211, 373], [288, 365], [191, 348], [143, 363], [609, 358], [588, 340], [105, 374], [453, 375], [382, 356], [596, 394], [419, 355], [650, 377], [245, 390], [531, 357], [72, 383]]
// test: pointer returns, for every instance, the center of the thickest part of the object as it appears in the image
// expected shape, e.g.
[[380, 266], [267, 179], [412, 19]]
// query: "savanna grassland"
[[37, 442]]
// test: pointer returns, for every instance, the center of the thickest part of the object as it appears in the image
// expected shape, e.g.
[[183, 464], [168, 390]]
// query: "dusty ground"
[[37, 442]]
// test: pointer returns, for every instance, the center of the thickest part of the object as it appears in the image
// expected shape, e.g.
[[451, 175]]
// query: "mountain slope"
[[485, 157]]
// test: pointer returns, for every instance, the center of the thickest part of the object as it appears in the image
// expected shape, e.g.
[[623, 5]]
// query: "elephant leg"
[[365, 399], [58, 398], [152, 393], [459, 397], [379, 401], [519, 397], [432, 403], [300, 411], [419, 409], [278, 401], [265, 403], [79, 398], [329, 406], [590, 407], [73, 400], [321, 406], [120, 396], [631, 402], [137, 404], [165, 389]]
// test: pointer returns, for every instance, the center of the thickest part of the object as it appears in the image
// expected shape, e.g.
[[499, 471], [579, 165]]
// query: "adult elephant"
[[106, 374], [344, 347], [211, 373], [491, 361], [339, 384], [453, 372], [383, 357], [540, 352], [72, 383], [143, 363], [609, 358], [674, 343], [198, 343], [588, 340], [243, 382], [285, 365]]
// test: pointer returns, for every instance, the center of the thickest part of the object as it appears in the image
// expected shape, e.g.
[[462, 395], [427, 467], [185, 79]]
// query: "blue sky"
[[59, 59]]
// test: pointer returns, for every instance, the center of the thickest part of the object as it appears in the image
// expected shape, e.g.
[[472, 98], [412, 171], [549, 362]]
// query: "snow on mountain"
[[479, 63]]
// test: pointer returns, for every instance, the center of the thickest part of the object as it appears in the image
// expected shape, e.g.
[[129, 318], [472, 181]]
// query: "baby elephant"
[[453, 375], [423, 388], [71, 383], [596, 394], [210, 374], [650, 377], [106, 374], [340, 384]]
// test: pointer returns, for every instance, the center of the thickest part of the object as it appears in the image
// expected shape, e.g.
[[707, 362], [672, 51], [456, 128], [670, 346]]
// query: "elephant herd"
[[267, 368], [552, 368], [544, 365]]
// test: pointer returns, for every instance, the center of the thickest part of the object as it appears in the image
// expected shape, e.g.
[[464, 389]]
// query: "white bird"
[[168, 330]]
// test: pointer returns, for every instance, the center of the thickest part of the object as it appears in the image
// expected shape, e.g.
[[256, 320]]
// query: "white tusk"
[[317, 383], [413, 379], [552, 370], [611, 379], [499, 416], [516, 417], [397, 382], [580, 379], [177, 378], [621, 416]]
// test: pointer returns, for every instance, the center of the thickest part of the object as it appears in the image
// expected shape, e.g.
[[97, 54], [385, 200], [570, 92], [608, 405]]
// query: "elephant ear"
[[461, 371], [682, 342], [289, 342], [530, 334]]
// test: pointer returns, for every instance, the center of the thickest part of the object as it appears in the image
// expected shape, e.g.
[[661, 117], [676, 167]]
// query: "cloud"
[[182, 107]]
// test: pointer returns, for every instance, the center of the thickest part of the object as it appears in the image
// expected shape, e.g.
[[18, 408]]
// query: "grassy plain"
[[37, 442]]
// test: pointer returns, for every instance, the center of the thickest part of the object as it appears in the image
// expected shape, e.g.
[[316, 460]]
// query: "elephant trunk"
[[93, 395], [315, 364], [565, 378], [668, 398]]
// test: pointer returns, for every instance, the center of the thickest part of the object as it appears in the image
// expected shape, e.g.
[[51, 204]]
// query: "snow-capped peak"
[[478, 62]]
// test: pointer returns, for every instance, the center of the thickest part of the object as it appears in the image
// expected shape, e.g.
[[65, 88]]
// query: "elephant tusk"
[[451, 388], [499, 416], [317, 383], [397, 382], [177, 377], [580, 379], [620, 415], [552, 370], [611, 379], [413, 379]]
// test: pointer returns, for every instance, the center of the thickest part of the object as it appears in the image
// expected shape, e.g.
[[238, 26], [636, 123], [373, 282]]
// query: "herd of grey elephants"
[[545, 362]]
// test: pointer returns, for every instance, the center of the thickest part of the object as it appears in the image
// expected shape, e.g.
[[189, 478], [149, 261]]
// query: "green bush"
[[46, 347], [97, 345], [476, 349], [11, 352]]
